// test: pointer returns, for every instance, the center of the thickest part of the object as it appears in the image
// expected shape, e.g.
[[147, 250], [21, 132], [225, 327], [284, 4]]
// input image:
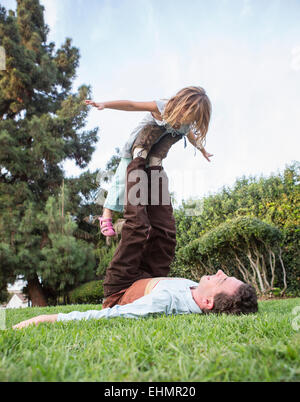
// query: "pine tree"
[[66, 261], [41, 125]]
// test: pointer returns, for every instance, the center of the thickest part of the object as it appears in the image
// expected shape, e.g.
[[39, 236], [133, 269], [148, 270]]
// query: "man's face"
[[210, 285]]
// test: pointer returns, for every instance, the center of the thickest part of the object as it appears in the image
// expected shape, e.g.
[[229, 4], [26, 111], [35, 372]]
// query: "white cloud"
[[255, 124], [247, 8], [9, 4], [102, 30], [54, 17], [152, 26], [295, 58], [51, 13]]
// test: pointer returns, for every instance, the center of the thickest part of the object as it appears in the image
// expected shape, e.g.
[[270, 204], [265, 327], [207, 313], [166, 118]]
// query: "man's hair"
[[243, 301]]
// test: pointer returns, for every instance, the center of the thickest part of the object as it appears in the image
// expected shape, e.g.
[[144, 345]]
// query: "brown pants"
[[148, 238]]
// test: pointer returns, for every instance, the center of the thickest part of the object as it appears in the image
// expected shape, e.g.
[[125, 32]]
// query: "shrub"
[[245, 247], [291, 257], [88, 293], [105, 255], [274, 200]]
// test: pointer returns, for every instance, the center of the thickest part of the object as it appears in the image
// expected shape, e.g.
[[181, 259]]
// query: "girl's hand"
[[99, 106], [206, 154]]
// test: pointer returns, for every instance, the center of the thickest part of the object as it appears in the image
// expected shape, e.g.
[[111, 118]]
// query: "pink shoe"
[[106, 227]]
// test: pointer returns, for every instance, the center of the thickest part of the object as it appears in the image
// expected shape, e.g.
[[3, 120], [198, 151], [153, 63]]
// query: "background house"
[[17, 300]]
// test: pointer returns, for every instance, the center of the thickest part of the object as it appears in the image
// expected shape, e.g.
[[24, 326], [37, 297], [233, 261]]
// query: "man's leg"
[[159, 250], [124, 268]]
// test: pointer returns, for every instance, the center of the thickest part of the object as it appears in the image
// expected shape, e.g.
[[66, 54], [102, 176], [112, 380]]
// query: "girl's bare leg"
[[107, 213]]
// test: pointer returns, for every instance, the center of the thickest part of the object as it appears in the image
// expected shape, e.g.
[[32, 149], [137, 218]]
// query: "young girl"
[[187, 114]]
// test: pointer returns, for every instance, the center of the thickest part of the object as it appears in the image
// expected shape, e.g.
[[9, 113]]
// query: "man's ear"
[[209, 302]]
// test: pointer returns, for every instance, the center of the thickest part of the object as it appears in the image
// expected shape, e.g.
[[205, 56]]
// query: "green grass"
[[258, 347]]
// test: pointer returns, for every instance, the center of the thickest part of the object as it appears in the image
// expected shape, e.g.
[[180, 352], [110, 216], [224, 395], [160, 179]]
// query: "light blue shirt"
[[149, 119], [169, 296]]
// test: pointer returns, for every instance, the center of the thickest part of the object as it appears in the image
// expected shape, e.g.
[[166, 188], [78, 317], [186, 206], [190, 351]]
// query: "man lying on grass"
[[213, 294], [136, 283]]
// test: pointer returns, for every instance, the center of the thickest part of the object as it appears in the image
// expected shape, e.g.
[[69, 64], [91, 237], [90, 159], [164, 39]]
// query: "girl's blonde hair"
[[190, 102]]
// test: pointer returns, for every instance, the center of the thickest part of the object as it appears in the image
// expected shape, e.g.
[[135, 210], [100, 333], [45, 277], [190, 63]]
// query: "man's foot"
[[106, 226], [146, 138], [139, 152], [155, 161]]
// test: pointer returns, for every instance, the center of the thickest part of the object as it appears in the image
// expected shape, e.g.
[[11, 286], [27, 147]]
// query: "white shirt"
[[169, 296]]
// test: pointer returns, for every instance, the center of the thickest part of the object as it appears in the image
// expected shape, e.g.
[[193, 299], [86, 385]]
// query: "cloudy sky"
[[245, 53]]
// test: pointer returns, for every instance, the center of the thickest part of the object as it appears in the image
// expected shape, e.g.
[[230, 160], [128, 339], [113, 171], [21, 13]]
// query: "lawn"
[[258, 347]]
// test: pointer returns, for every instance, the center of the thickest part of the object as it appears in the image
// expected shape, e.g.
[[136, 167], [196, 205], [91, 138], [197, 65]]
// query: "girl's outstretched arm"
[[193, 140], [126, 105]]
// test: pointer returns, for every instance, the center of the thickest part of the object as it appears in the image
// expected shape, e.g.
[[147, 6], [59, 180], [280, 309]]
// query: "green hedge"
[[88, 293], [105, 255], [291, 257], [245, 247], [274, 200]]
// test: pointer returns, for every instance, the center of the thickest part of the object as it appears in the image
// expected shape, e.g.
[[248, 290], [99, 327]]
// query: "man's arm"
[[157, 302], [36, 320], [126, 105]]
